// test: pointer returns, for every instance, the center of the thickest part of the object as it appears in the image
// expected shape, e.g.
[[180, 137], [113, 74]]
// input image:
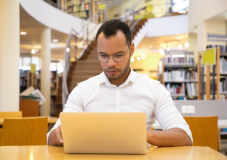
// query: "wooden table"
[[57, 153], [50, 120]]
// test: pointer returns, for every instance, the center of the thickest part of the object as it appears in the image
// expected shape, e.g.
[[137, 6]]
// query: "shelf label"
[[214, 37], [209, 57]]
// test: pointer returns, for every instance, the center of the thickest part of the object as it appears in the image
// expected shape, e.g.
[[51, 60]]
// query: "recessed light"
[[132, 59], [67, 49], [138, 58], [180, 46], [55, 40], [23, 33], [186, 44]]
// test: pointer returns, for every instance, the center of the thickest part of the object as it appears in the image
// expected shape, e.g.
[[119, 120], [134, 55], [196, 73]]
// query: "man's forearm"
[[167, 138], [52, 140]]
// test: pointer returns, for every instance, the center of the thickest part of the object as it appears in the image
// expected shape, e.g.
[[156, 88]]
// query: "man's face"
[[114, 47]]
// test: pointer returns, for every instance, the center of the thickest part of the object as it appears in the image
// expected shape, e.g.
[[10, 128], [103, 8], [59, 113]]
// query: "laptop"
[[106, 133]]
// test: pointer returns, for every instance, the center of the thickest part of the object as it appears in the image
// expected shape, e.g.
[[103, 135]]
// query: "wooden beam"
[[218, 72]]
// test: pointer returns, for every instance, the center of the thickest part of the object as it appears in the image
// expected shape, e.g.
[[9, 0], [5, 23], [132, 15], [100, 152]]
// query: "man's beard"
[[122, 73]]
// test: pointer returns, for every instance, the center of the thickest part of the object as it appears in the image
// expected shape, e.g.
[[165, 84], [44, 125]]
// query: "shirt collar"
[[131, 78]]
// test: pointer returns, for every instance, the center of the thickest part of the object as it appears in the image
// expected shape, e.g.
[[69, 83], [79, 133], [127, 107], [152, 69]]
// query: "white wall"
[[166, 26], [201, 10], [53, 17]]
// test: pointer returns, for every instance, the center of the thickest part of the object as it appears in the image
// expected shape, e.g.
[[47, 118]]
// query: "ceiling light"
[[23, 33], [161, 51], [55, 40], [180, 46], [143, 56], [186, 44], [67, 49], [132, 59], [168, 49], [138, 58], [33, 51]]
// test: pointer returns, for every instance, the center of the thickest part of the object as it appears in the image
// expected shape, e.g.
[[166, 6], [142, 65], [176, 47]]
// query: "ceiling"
[[33, 38]]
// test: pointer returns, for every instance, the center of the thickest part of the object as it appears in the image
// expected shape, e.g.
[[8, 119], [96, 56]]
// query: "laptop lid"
[[115, 133]]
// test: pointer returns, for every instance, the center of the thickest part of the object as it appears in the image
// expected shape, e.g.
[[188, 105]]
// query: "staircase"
[[87, 67]]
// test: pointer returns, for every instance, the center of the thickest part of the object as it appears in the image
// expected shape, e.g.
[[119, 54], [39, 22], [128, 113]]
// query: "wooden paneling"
[[204, 131], [29, 108], [29, 131]]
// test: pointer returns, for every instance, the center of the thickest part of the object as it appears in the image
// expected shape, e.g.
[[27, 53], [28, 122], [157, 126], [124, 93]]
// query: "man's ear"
[[132, 49]]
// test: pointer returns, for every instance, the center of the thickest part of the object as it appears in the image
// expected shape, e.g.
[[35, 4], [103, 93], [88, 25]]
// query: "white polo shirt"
[[137, 94]]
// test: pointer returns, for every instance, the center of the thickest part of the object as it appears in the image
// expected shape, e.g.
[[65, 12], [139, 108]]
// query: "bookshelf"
[[79, 8], [216, 77], [179, 74]]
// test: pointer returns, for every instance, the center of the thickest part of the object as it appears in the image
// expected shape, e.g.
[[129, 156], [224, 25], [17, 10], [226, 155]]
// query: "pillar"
[[9, 55], [45, 71]]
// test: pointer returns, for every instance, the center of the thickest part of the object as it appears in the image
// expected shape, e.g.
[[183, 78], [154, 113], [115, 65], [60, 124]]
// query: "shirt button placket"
[[118, 99]]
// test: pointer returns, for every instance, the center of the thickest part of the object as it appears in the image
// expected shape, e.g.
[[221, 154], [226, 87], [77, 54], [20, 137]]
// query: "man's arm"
[[171, 137], [55, 137]]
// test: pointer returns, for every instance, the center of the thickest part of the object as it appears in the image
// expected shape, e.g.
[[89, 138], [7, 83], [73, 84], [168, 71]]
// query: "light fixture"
[[138, 58], [33, 51], [67, 49], [143, 56], [55, 40], [132, 59], [180, 46], [161, 51], [23, 33], [168, 49], [186, 44]]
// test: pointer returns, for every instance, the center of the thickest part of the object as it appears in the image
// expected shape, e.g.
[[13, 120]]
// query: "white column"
[[9, 55], [45, 72]]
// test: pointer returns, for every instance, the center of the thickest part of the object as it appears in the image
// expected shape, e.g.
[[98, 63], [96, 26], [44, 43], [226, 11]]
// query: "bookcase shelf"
[[178, 73], [219, 75]]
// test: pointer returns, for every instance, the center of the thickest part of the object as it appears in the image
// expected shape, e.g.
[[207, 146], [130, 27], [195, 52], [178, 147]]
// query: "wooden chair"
[[24, 131], [204, 131], [11, 114]]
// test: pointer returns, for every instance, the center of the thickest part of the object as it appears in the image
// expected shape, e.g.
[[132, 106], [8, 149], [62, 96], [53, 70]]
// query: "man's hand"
[[170, 137], [55, 137]]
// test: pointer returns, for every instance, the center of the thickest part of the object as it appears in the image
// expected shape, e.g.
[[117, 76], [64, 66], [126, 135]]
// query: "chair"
[[24, 131], [29, 108], [11, 114], [204, 131]]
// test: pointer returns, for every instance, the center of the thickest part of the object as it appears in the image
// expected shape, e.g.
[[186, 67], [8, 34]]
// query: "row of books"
[[223, 65], [180, 75], [175, 89], [23, 82], [223, 85], [179, 60], [191, 89], [223, 48]]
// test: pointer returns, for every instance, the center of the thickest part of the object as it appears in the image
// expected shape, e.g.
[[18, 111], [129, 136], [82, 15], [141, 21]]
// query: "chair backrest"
[[24, 131], [29, 108], [11, 114], [204, 131]]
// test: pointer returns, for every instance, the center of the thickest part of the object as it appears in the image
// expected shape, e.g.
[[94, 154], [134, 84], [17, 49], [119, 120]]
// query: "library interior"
[[49, 55]]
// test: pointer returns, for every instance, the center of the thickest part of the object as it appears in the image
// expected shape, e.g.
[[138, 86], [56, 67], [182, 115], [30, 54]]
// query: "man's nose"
[[111, 62]]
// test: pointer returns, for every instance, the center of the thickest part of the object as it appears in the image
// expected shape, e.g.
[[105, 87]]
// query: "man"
[[118, 88]]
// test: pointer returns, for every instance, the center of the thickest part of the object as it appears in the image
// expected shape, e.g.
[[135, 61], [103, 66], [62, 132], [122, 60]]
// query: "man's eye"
[[119, 55], [103, 55]]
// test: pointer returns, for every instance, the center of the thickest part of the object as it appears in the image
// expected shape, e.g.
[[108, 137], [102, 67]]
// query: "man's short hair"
[[111, 27]]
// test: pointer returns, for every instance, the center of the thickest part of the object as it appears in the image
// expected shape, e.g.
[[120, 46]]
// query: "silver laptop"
[[110, 133]]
